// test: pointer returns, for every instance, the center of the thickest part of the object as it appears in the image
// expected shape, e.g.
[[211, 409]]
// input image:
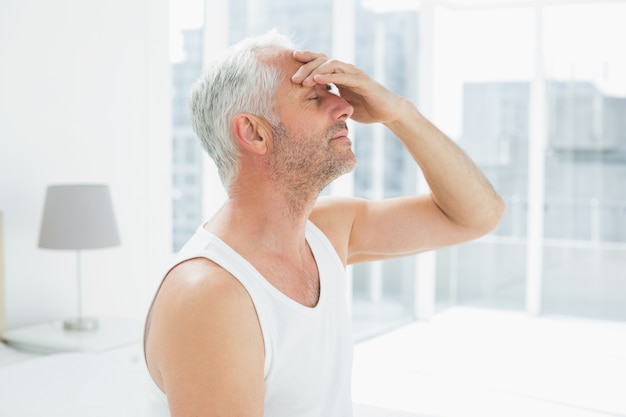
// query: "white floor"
[[470, 362]]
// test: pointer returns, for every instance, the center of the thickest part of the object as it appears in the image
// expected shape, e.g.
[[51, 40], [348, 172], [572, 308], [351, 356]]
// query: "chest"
[[299, 281]]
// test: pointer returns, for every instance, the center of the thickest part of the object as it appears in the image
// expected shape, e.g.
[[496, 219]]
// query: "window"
[[187, 154], [584, 250], [573, 85], [385, 48], [546, 124], [482, 93]]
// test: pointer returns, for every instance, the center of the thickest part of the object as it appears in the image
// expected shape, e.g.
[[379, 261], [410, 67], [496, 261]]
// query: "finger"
[[307, 68], [338, 76], [327, 67], [306, 56]]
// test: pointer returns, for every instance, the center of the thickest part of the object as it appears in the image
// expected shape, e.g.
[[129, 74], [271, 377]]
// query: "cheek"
[[303, 130], [300, 122], [303, 123]]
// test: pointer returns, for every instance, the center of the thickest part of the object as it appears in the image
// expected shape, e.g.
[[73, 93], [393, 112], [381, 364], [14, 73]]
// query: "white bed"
[[71, 385], [110, 384]]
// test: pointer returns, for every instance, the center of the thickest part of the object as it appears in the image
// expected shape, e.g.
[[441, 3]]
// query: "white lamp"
[[78, 217]]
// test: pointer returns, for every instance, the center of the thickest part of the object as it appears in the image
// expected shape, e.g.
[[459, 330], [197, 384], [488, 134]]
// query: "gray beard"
[[304, 171]]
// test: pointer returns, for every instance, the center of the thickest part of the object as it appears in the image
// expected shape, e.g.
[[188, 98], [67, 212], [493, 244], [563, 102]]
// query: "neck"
[[289, 195], [274, 220]]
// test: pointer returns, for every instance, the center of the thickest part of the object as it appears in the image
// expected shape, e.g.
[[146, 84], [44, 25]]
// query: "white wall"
[[84, 97]]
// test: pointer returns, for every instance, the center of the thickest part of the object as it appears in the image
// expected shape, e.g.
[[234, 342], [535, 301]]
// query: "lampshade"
[[78, 217]]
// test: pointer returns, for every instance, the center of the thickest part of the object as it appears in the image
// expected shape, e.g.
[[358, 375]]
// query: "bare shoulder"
[[335, 217], [189, 284], [204, 336]]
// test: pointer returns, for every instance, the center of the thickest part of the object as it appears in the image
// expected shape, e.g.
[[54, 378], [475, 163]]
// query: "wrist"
[[407, 117]]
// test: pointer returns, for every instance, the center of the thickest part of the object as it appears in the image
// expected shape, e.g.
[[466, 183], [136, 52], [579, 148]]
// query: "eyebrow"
[[300, 89]]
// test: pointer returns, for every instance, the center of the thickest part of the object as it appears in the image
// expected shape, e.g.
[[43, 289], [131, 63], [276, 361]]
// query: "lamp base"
[[81, 325]]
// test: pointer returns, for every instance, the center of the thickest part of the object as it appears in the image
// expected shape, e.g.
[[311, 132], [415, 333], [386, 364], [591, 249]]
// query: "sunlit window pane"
[[386, 48], [186, 58], [307, 23], [481, 95], [585, 213]]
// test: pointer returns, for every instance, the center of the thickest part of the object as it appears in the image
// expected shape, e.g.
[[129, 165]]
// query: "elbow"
[[494, 212], [478, 219], [486, 217]]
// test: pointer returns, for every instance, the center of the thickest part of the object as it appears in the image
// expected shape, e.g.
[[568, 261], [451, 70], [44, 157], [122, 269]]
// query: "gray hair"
[[239, 81]]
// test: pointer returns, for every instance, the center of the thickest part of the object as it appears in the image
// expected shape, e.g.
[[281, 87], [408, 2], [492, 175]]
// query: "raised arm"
[[462, 204]]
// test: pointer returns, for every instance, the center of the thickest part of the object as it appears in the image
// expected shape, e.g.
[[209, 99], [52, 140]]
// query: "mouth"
[[340, 135], [339, 132]]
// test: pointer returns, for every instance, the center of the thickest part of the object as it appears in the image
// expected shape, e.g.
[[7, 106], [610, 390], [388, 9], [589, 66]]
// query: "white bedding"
[[72, 384], [9, 356], [113, 384]]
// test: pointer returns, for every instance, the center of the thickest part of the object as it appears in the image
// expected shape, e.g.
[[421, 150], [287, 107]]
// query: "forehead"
[[284, 61]]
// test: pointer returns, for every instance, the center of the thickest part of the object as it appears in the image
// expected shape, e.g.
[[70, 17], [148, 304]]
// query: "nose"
[[342, 110]]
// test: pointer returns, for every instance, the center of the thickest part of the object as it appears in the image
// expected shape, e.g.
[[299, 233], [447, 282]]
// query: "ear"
[[251, 133]]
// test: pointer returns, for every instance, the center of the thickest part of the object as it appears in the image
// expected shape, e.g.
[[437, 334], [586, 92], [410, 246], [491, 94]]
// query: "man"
[[252, 319]]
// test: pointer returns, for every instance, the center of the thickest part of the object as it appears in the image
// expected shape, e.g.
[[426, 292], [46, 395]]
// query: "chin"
[[346, 167]]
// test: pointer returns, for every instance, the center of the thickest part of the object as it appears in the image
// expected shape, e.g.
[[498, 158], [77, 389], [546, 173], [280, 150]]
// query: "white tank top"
[[308, 351]]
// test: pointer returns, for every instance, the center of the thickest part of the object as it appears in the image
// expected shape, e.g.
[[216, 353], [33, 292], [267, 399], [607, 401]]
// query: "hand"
[[372, 102]]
